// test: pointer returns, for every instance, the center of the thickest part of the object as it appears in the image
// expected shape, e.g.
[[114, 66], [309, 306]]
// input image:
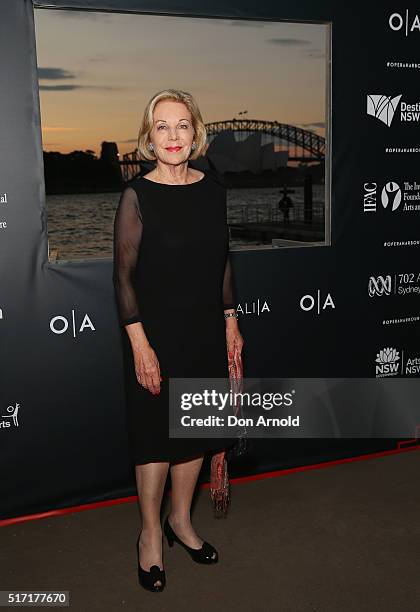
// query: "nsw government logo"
[[387, 362], [393, 362]]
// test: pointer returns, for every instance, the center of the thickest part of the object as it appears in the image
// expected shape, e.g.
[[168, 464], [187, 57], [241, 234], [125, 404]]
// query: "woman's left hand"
[[234, 340]]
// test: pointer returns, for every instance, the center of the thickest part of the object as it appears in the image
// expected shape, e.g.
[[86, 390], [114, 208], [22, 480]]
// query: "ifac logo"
[[404, 197], [391, 195]]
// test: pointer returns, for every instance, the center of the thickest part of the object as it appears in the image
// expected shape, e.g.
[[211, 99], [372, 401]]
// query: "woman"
[[175, 299]]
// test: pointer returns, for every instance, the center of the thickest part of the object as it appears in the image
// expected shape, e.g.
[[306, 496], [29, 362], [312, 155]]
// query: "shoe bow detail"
[[206, 554], [209, 550]]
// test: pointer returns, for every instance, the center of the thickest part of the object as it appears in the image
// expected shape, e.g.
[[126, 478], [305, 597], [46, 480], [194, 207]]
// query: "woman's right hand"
[[147, 368]]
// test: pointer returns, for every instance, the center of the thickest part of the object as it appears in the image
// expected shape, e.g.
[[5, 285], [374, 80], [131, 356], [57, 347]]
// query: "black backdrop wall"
[[68, 443]]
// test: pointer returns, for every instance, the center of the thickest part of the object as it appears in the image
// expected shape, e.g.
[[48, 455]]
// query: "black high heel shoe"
[[206, 554], [148, 579]]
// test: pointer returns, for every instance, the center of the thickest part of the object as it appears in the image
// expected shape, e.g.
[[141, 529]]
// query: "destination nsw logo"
[[384, 108]]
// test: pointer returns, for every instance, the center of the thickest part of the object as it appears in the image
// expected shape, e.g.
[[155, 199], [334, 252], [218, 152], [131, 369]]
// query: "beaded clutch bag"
[[219, 479]]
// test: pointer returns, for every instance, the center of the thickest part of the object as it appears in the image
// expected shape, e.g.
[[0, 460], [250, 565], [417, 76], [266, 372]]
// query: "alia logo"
[[256, 307], [387, 362], [60, 324]]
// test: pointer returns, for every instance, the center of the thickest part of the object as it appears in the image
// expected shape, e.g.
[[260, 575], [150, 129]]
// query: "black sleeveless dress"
[[172, 272]]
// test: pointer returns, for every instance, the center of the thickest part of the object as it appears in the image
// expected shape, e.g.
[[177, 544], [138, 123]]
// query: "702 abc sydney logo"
[[391, 197], [404, 283]]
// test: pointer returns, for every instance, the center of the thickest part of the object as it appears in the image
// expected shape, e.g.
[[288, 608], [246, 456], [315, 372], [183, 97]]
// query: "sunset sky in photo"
[[98, 70]]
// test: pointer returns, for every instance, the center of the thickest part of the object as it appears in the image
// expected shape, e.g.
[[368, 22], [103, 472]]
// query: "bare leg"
[[184, 478], [151, 478]]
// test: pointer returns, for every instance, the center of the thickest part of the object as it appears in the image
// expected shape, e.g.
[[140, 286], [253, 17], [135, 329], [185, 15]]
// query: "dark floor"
[[344, 538]]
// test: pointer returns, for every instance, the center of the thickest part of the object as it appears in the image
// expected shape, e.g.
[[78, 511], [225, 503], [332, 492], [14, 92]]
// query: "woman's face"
[[172, 133]]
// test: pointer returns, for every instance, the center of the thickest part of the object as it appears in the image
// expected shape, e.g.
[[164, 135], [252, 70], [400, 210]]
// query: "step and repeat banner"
[[348, 308]]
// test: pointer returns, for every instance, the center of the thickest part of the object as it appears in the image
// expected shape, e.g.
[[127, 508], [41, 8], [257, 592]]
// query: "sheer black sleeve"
[[128, 230], [229, 296], [228, 290]]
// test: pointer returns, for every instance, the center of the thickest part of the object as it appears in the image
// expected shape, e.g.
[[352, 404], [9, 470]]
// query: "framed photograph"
[[263, 89]]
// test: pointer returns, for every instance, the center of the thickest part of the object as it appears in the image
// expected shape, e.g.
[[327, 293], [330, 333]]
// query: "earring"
[[151, 146], [193, 146]]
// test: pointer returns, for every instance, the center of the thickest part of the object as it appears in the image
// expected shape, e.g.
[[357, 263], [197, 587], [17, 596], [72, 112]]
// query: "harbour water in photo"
[[81, 225]]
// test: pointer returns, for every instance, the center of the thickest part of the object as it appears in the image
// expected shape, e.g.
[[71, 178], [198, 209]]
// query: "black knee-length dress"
[[172, 272]]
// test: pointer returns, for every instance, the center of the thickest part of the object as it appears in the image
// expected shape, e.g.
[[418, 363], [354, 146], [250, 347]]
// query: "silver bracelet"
[[230, 314]]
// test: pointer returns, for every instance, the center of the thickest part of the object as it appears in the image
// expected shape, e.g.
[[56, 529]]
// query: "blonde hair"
[[177, 95]]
